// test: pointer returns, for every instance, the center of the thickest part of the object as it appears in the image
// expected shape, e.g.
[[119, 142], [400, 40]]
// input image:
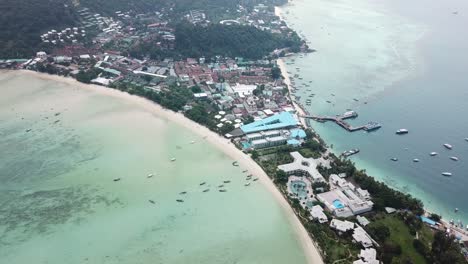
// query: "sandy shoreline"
[[310, 250]]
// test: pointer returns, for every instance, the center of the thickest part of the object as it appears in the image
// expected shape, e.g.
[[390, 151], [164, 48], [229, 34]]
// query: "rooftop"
[[305, 165], [278, 121]]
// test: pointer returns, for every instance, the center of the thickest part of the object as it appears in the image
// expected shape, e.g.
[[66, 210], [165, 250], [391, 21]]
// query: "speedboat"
[[448, 146], [433, 153], [454, 158], [173, 159], [150, 175], [247, 184], [402, 131], [415, 160], [394, 159], [447, 174]]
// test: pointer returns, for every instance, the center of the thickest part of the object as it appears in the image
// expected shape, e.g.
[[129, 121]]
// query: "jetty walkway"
[[340, 120]]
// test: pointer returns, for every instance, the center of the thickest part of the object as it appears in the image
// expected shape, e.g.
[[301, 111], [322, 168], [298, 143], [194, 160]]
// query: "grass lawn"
[[400, 234]]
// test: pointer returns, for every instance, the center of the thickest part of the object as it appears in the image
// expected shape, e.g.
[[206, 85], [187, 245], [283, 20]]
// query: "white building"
[[268, 142], [243, 89], [317, 213], [367, 256], [41, 54], [361, 237], [302, 166], [362, 220], [341, 226]]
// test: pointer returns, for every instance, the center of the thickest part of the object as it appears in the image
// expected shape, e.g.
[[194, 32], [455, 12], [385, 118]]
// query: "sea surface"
[[406, 64], [61, 149]]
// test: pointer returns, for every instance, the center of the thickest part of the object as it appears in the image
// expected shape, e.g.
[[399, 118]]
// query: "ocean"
[[75, 186], [402, 64]]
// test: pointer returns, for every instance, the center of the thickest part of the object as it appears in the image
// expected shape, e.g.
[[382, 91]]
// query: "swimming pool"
[[299, 188], [338, 204]]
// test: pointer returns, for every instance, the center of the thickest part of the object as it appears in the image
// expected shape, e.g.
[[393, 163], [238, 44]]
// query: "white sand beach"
[[245, 162]]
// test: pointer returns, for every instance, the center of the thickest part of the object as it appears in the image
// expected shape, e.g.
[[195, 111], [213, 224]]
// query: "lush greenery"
[[231, 41], [23, 21]]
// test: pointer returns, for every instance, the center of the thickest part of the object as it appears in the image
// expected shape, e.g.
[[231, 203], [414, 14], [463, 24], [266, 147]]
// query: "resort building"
[[317, 213], [344, 199], [341, 226], [361, 237], [362, 220], [282, 120], [367, 256], [268, 142], [302, 166]]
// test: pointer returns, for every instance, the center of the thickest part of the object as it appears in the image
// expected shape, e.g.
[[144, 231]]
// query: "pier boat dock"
[[340, 120]]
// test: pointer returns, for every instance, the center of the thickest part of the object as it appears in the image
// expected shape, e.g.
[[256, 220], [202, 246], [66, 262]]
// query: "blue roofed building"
[[279, 121], [298, 133]]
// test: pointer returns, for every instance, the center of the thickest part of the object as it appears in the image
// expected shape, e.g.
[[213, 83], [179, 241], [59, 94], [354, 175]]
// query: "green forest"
[[230, 41]]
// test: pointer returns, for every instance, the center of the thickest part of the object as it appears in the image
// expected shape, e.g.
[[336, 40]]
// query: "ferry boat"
[[371, 126], [433, 153], [447, 174], [454, 158], [448, 146], [402, 131], [350, 152]]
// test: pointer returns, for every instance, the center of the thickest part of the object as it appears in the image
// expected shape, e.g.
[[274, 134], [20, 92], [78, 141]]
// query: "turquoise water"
[[59, 202], [337, 204], [406, 64]]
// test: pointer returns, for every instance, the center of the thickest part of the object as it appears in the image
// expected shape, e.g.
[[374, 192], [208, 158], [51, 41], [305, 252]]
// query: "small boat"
[[244, 171], [150, 175], [350, 152], [454, 158], [28, 130], [448, 146], [394, 159], [173, 159], [355, 99], [203, 183], [466, 139], [192, 142], [402, 131], [235, 163], [415, 160], [456, 210], [433, 154], [180, 200], [221, 186], [255, 179], [328, 102], [182, 192], [117, 179], [247, 184], [250, 175], [206, 190], [151, 201], [223, 190], [447, 174], [227, 181]]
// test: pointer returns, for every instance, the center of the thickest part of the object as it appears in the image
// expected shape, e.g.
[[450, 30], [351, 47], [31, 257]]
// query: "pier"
[[340, 120]]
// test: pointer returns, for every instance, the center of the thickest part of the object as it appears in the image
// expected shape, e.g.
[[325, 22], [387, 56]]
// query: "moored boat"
[[394, 159], [448, 146], [433, 153], [447, 174], [415, 160], [454, 158], [402, 131], [350, 152]]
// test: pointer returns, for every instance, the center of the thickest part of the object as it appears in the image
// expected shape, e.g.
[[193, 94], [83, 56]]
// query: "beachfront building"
[[344, 199], [341, 226], [271, 138], [268, 142], [316, 213], [367, 256], [302, 166]]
